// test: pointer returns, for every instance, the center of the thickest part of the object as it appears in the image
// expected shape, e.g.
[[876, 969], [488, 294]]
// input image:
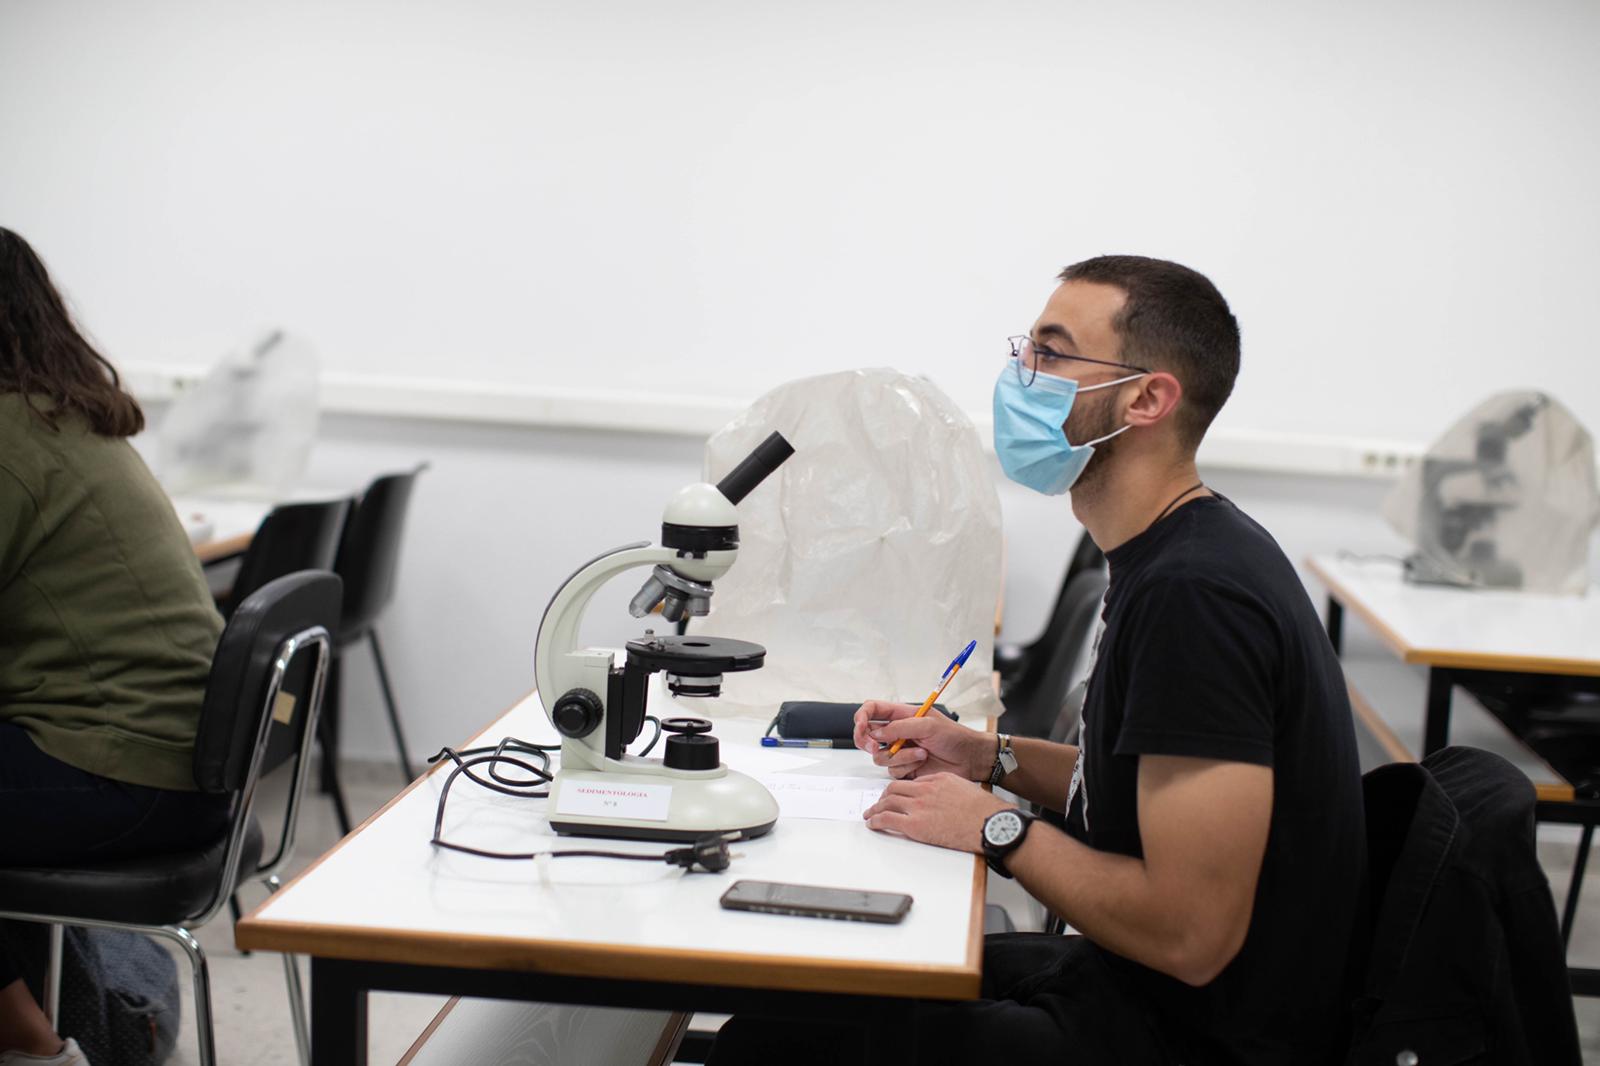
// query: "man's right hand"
[[933, 743]]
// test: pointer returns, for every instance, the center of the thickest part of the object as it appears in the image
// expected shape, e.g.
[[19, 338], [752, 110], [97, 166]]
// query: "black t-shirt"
[[1212, 649]]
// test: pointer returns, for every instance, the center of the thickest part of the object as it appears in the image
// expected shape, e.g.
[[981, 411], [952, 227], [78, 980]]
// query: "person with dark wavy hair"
[[106, 631]]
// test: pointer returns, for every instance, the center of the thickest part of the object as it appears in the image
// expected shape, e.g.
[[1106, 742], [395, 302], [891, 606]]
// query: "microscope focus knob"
[[577, 713]]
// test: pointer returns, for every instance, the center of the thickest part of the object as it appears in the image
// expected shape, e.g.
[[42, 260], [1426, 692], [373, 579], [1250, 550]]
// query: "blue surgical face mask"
[[1028, 434]]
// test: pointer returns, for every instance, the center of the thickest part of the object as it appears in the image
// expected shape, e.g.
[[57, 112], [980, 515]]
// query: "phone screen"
[[814, 901]]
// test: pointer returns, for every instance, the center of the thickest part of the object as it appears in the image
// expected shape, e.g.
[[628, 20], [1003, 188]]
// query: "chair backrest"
[[293, 537], [264, 694], [1037, 710], [1086, 558], [369, 550]]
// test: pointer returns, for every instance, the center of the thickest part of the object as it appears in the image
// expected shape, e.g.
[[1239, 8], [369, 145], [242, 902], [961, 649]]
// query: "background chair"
[[1054, 705], [1451, 848], [368, 557], [1021, 665], [292, 538], [1033, 707], [261, 705]]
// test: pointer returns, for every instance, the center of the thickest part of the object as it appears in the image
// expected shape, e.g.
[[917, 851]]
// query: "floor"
[[251, 1006]]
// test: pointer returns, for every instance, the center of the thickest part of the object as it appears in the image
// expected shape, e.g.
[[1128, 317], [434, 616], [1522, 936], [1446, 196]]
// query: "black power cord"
[[709, 852]]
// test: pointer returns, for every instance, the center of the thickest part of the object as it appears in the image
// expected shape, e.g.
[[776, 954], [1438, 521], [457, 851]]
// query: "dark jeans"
[[52, 814], [1046, 999]]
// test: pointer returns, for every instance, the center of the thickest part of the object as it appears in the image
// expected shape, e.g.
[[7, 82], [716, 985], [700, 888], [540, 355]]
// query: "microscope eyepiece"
[[742, 479]]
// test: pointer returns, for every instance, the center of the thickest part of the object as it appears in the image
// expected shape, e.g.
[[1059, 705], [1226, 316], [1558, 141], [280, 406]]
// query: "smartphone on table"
[[815, 901]]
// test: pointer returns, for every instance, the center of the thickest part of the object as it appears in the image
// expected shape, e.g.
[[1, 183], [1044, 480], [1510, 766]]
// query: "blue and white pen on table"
[[950, 673]]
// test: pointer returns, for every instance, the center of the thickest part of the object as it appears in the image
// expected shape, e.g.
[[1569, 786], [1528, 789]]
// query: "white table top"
[[1477, 629], [385, 894]]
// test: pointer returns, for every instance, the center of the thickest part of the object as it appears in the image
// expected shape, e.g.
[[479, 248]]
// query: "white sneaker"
[[69, 1055]]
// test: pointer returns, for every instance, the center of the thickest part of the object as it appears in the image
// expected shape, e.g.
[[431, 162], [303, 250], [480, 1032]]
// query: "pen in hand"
[[949, 675]]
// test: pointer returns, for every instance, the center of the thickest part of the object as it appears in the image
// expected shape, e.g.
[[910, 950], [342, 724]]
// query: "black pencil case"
[[810, 720]]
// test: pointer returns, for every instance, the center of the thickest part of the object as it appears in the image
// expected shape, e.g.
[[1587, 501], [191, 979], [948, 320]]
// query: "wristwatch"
[[1003, 832], [1005, 760]]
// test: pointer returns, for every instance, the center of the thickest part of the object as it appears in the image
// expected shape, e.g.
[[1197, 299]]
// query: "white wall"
[[706, 198], [504, 515], [711, 197]]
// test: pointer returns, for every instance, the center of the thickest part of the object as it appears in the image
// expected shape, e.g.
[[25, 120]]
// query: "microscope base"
[[580, 828], [729, 803]]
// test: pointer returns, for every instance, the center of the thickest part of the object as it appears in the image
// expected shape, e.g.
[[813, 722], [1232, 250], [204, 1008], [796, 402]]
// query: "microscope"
[[1461, 499], [599, 707]]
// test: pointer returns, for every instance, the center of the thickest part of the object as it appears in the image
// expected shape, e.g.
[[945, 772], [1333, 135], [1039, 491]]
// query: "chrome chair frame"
[[314, 637]]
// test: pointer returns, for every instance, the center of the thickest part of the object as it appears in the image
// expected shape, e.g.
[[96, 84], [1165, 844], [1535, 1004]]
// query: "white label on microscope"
[[639, 803]]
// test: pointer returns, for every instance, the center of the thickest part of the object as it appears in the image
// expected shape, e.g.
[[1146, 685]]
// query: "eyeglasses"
[[1029, 356]]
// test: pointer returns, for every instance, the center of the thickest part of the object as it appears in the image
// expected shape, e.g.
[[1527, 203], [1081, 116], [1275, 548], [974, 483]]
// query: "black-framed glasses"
[[1029, 356]]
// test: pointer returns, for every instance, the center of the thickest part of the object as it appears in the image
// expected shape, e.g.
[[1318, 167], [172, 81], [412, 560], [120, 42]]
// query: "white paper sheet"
[[760, 761], [838, 799]]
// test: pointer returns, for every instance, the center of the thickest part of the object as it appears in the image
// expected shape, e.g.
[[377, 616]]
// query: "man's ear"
[[1158, 396]]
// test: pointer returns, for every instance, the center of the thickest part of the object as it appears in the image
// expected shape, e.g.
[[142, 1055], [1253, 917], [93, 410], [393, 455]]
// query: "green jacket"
[[106, 626]]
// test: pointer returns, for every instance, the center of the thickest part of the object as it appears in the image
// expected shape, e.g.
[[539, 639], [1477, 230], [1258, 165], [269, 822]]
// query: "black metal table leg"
[[338, 1014], [1336, 625], [1569, 910], [1436, 727]]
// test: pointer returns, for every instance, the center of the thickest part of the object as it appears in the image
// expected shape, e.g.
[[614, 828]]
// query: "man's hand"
[[934, 744], [938, 809]]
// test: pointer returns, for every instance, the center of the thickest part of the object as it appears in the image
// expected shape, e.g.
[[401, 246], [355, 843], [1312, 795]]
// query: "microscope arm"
[[559, 664]]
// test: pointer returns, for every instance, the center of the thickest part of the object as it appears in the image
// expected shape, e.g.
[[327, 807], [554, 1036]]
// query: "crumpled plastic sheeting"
[[871, 557], [250, 421], [1507, 498]]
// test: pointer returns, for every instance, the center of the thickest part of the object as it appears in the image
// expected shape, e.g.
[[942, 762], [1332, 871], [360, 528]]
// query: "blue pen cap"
[[960, 660]]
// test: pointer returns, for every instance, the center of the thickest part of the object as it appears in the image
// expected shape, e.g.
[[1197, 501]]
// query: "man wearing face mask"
[[1214, 849]]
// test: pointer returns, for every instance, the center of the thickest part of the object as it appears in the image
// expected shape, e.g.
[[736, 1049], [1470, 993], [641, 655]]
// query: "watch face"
[[1002, 828]]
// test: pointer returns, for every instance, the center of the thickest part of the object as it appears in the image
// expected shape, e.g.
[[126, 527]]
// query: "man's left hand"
[[938, 809]]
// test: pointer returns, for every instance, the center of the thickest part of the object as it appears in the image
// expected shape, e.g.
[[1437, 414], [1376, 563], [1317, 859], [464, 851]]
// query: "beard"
[[1091, 422]]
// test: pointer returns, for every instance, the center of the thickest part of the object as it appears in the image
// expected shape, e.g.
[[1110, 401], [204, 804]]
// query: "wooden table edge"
[[1515, 664], [427, 1034], [1386, 737], [980, 889], [1545, 791], [211, 551], [790, 973]]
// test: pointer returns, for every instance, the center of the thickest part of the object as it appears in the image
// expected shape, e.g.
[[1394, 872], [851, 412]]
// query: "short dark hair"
[[44, 356], [1175, 320]]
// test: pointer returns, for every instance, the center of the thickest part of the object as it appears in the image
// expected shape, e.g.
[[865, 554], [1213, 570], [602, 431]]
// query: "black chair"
[[1021, 666], [1035, 710], [368, 557], [260, 710], [1057, 702], [1458, 955], [293, 537]]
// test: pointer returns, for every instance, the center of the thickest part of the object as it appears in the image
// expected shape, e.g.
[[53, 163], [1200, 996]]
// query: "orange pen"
[[950, 673]]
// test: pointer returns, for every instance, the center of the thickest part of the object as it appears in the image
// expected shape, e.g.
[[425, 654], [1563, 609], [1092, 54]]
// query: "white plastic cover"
[[251, 421], [871, 557], [1507, 498]]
